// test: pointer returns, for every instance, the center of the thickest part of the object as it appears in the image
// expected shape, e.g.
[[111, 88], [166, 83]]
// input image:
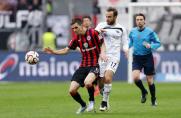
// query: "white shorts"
[[112, 64]]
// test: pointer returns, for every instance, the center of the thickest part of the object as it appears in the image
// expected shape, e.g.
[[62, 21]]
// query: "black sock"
[[78, 98], [152, 90], [139, 84], [91, 93]]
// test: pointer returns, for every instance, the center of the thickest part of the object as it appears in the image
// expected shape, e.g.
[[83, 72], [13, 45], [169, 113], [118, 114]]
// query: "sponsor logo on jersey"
[[86, 45], [88, 38]]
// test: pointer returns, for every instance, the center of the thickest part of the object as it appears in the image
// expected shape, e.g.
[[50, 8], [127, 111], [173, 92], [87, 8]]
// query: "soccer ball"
[[32, 57]]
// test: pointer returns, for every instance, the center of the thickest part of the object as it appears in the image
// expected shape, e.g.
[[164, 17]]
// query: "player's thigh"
[[102, 67], [149, 68], [138, 63], [92, 75], [90, 78], [80, 75], [112, 65]]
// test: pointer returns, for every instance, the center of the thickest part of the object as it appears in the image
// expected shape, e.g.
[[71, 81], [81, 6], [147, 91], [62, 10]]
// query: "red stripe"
[[92, 52], [80, 46], [88, 61], [96, 51], [96, 38], [89, 58], [84, 61]]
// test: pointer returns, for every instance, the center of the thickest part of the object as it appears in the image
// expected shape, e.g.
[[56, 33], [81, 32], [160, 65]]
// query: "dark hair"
[[49, 29], [140, 14], [76, 20], [114, 10], [87, 17]]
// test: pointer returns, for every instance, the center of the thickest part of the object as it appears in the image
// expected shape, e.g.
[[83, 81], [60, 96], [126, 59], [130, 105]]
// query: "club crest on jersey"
[[86, 45], [88, 38]]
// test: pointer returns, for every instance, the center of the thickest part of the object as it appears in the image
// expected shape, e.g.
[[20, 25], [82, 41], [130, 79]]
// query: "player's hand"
[[103, 57], [48, 50], [146, 44], [126, 53], [102, 30]]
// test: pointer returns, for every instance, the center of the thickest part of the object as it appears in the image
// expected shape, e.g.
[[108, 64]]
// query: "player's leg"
[[149, 71], [152, 89], [107, 89], [139, 84], [89, 85], [73, 90], [111, 68], [102, 65], [137, 66], [76, 82], [91, 77], [100, 83], [96, 87]]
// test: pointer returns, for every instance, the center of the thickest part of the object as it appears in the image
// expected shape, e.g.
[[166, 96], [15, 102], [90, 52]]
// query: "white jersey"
[[114, 37]]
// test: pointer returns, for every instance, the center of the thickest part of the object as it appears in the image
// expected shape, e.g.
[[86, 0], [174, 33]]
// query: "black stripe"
[[95, 50], [113, 28], [85, 52], [97, 44]]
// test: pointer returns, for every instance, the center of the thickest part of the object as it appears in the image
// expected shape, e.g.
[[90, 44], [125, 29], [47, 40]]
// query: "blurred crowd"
[[34, 24]]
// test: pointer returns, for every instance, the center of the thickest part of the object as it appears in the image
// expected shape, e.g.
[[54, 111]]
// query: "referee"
[[143, 40]]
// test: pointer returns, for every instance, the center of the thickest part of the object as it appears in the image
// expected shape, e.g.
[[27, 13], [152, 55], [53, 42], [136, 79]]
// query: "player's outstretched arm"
[[57, 52]]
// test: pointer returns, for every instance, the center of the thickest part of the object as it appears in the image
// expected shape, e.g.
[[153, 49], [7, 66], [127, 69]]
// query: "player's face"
[[110, 18], [76, 28], [140, 22], [86, 22]]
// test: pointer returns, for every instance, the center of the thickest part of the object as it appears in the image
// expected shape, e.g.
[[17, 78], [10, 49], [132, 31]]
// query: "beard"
[[111, 22]]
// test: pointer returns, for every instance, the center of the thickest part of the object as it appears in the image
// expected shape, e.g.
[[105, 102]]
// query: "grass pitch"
[[51, 100]]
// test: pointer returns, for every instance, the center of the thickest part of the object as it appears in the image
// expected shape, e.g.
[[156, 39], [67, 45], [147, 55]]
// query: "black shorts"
[[82, 72], [145, 62]]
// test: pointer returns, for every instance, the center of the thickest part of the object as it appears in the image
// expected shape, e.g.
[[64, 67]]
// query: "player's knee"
[[108, 80], [150, 81], [135, 78], [87, 84], [72, 92]]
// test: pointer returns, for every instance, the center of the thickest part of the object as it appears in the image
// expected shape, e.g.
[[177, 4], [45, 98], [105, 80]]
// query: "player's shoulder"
[[103, 24], [134, 29], [119, 25], [148, 29], [92, 29]]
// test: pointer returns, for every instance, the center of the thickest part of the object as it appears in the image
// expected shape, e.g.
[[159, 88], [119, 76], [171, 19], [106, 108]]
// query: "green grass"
[[51, 100]]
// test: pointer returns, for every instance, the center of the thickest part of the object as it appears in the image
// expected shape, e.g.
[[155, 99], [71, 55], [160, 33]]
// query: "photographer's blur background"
[[36, 24]]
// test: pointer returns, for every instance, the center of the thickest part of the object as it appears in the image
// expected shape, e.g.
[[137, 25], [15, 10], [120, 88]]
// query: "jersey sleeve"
[[130, 40], [155, 41], [72, 44], [98, 27], [125, 40], [99, 37]]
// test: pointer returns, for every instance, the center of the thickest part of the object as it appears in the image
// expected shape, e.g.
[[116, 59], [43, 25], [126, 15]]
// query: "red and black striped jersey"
[[89, 44]]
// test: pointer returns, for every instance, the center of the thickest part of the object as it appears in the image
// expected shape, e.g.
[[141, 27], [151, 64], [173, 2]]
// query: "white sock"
[[106, 92]]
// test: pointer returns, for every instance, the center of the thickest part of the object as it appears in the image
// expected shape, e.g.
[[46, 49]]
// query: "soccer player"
[[86, 21], [143, 40], [114, 35], [89, 42]]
